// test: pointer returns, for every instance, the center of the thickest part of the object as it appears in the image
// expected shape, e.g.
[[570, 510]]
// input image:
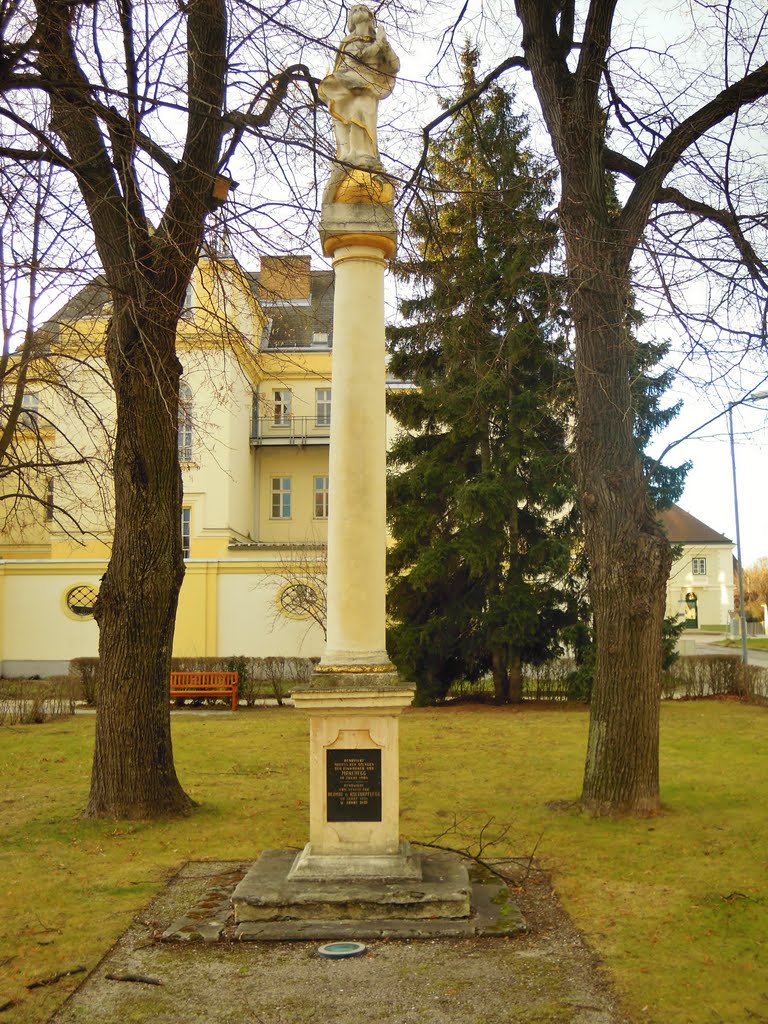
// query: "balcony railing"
[[301, 430]]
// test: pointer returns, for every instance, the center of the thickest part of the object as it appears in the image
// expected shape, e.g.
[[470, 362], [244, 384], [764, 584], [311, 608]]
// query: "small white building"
[[700, 586]]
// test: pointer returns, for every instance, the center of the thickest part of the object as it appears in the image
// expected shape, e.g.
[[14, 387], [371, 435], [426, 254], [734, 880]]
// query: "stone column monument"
[[356, 696], [355, 872]]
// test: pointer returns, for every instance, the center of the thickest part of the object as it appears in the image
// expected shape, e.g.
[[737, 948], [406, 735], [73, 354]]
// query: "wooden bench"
[[205, 684]]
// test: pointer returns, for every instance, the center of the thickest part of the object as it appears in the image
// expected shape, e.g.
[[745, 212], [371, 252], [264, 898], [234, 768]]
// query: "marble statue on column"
[[364, 73]]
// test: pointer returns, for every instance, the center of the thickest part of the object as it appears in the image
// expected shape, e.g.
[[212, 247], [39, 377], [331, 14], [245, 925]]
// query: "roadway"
[[705, 644]]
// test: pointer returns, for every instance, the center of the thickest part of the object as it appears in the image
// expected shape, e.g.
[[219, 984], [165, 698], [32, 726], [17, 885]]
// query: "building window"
[[30, 411], [282, 407], [81, 599], [323, 407], [321, 497], [281, 497], [185, 423], [188, 309], [50, 500], [299, 600], [186, 532], [699, 566]]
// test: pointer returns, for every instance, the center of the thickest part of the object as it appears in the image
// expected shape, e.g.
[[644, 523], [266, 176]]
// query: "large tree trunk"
[[133, 771], [515, 675], [500, 675], [147, 274], [629, 556]]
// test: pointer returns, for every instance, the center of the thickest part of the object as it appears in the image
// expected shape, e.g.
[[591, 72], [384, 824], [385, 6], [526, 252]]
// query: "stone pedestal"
[[354, 825]]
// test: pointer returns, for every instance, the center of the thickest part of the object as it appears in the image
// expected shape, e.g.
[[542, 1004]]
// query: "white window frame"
[[323, 407], [280, 497], [281, 407], [29, 414], [699, 566], [320, 497], [186, 531], [185, 428]]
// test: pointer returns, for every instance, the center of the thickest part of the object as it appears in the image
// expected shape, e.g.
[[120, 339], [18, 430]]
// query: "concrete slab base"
[[492, 913], [211, 919], [267, 893]]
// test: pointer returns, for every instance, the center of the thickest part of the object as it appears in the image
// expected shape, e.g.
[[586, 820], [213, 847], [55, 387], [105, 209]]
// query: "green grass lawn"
[[676, 905], [754, 643]]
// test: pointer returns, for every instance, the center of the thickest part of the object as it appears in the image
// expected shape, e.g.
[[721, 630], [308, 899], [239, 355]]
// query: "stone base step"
[[267, 894]]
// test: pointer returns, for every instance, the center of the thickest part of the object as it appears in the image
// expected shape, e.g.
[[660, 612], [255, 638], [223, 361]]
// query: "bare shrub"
[[85, 672], [275, 670], [32, 702], [708, 675], [548, 681]]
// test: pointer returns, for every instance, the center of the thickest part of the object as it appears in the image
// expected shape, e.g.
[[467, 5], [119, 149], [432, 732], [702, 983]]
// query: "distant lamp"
[[222, 184]]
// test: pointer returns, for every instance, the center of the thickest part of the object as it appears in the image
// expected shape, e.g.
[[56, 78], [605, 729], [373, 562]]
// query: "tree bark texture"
[[500, 675], [515, 674], [629, 556], [133, 771]]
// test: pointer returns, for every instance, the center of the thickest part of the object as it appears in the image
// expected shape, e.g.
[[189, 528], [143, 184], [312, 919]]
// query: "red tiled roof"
[[683, 528]]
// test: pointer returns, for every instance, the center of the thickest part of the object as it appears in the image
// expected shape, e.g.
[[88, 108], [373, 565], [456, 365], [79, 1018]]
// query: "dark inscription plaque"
[[353, 782]]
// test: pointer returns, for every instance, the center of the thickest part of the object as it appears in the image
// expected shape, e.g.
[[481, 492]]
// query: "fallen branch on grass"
[[463, 853], [482, 841], [56, 977], [142, 979]]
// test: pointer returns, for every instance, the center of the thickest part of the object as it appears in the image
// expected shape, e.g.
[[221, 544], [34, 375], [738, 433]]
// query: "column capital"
[[367, 239]]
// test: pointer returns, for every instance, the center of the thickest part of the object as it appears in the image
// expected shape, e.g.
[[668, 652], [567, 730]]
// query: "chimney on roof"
[[284, 277]]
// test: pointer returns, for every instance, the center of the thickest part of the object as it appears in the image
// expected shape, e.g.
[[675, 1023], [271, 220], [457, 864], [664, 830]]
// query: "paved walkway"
[[548, 974], [706, 643]]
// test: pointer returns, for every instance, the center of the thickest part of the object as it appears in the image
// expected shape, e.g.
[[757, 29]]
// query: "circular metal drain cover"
[[341, 950]]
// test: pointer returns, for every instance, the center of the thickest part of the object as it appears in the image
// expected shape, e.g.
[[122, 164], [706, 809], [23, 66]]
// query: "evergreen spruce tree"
[[479, 485]]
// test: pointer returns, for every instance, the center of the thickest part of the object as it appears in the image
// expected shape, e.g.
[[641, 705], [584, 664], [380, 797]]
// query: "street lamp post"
[[739, 567]]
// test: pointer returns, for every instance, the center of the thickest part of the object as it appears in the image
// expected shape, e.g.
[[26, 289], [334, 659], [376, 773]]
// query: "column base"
[[394, 867]]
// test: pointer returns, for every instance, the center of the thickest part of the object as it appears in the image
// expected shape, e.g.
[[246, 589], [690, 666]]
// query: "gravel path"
[[548, 976]]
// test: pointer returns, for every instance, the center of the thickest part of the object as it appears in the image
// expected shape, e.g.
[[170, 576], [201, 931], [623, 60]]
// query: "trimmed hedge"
[[259, 679], [711, 675]]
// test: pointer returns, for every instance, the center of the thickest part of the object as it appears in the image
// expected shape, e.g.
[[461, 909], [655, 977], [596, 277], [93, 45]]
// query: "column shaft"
[[357, 470]]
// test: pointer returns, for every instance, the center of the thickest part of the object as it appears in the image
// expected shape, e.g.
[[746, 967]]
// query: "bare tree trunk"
[[629, 556], [147, 273], [515, 676], [515, 577], [500, 675], [133, 772]]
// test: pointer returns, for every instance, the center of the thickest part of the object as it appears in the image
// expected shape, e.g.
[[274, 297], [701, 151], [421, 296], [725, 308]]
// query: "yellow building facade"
[[254, 421], [254, 430]]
